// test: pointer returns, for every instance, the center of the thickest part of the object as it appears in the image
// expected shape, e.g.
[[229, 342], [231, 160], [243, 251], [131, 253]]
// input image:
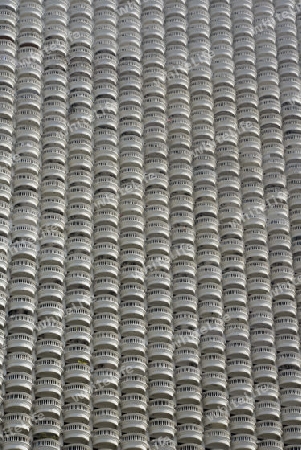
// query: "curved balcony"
[[264, 373], [157, 314], [18, 381], [290, 415], [132, 345], [79, 372], [78, 332], [286, 324], [105, 437], [17, 402], [133, 362], [48, 406], [290, 397], [26, 303], [285, 359], [17, 342], [103, 249], [105, 358], [187, 374], [132, 290], [78, 279], [161, 389], [133, 402], [47, 426], [133, 382], [134, 441], [108, 417], [76, 433], [20, 323], [262, 336], [214, 380], [49, 367], [215, 362], [105, 303], [160, 332], [49, 348], [133, 422], [16, 441], [238, 367], [106, 321], [106, 339], [215, 399], [217, 437], [216, 342], [77, 392], [48, 387], [243, 442]]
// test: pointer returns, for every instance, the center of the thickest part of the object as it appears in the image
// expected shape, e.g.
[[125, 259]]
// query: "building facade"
[[150, 211]]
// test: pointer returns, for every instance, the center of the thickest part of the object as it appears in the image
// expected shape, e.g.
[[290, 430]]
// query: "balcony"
[[158, 314], [78, 332], [105, 437], [241, 423], [262, 336], [48, 406], [290, 415], [209, 342], [49, 348], [187, 374], [134, 442], [286, 324], [20, 323], [47, 426], [105, 358], [267, 410], [215, 399], [48, 387], [46, 444], [270, 444], [106, 303], [133, 422], [77, 373], [77, 392], [108, 417], [291, 435], [243, 442], [17, 402], [212, 380], [49, 368], [18, 381], [132, 402], [16, 442], [76, 433], [160, 370], [50, 308], [217, 439]]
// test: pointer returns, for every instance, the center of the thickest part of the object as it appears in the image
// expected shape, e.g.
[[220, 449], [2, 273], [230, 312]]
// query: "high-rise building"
[[150, 212]]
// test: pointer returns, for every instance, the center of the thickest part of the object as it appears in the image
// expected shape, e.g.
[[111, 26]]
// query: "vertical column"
[[50, 305], [133, 361], [228, 201], [50, 310], [106, 357], [255, 233], [8, 81], [278, 227], [288, 338], [24, 230], [183, 266], [157, 263], [79, 229], [214, 380]]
